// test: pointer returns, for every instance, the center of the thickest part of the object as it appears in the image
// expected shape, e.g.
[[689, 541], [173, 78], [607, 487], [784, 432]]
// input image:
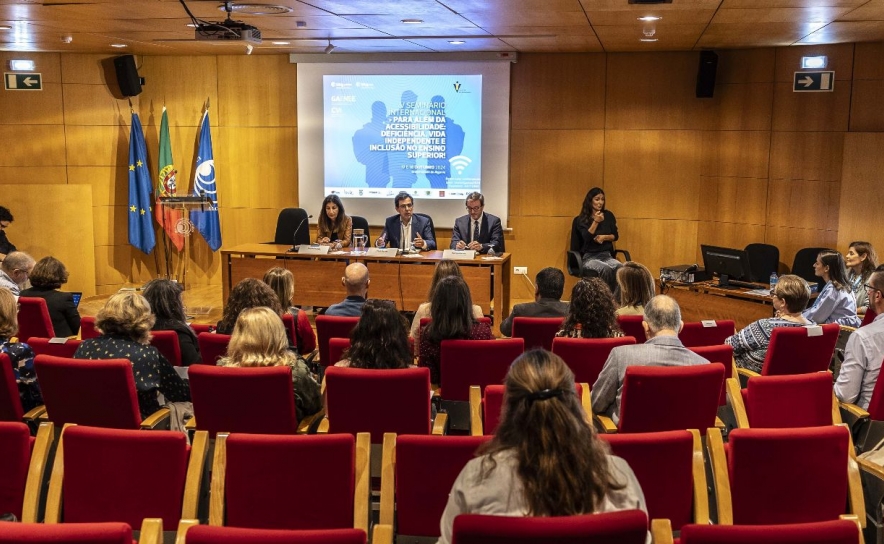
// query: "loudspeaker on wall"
[[706, 74], [127, 75]]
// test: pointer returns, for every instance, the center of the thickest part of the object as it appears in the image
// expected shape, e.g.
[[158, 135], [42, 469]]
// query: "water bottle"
[[773, 281]]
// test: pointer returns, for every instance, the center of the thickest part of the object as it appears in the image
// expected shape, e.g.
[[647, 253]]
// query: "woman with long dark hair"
[[861, 260], [444, 268], [334, 226], [544, 458], [379, 339], [591, 311], [164, 297], [836, 303], [593, 234]]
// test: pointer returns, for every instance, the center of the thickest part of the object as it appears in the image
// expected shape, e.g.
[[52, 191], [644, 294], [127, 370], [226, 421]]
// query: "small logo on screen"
[[441, 194]]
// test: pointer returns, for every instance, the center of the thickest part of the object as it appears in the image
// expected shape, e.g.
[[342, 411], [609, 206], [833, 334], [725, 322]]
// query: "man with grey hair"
[[14, 271], [662, 324], [356, 282], [477, 230]]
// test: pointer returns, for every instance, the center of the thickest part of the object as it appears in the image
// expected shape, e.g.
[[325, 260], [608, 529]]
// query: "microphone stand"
[[294, 248]]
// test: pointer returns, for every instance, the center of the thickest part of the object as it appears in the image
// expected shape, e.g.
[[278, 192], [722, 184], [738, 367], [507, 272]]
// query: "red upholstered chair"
[[289, 321], [706, 333], [100, 393], [661, 398], [67, 533], [213, 346], [538, 332], [47, 346], [336, 349], [867, 426], [207, 534], [10, 400], [332, 326], [624, 527], [587, 356], [776, 402], [33, 318], [420, 495], [21, 472], [798, 350], [87, 328], [842, 531], [167, 344], [631, 325], [869, 317], [721, 353], [121, 475], [202, 327], [486, 407], [475, 362], [316, 482], [669, 467], [774, 476]]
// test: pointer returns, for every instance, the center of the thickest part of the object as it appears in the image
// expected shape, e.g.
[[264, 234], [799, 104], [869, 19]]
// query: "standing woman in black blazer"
[[593, 234], [164, 297], [48, 275]]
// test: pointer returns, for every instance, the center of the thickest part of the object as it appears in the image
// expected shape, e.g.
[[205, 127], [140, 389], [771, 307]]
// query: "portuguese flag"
[[166, 186]]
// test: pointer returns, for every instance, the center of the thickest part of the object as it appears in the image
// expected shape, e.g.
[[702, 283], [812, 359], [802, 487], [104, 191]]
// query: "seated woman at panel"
[[334, 226], [259, 339], [20, 354], [125, 323], [545, 458], [835, 304], [861, 261], [750, 345], [444, 269], [164, 297], [593, 234], [249, 293], [591, 312], [48, 275], [452, 319], [636, 288], [283, 284], [380, 338]]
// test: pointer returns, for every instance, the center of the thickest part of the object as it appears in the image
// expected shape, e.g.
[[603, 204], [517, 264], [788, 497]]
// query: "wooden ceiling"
[[157, 27]]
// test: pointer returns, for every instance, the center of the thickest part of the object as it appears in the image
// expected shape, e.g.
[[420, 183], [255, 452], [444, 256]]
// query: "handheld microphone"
[[294, 247]]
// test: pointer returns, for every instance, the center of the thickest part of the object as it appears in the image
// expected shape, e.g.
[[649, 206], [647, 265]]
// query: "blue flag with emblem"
[[141, 233], [206, 221]]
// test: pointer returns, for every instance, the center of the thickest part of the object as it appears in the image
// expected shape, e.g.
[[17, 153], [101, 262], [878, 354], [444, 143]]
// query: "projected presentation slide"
[[388, 133]]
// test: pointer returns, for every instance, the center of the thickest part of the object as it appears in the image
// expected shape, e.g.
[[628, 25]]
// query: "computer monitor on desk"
[[730, 265]]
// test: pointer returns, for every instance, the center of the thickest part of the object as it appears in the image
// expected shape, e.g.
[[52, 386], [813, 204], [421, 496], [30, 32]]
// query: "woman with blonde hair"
[[282, 282], [444, 269], [636, 288], [544, 458], [20, 354], [259, 339]]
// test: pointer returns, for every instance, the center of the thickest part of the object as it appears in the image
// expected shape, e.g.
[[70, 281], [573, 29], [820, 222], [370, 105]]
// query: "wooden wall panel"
[[247, 225], [866, 114], [715, 233], [94, 105], [97, 145], [538, 242], [257, 91], [33, 107], [789, 240], [733, 200], [804, 204], [811, 111], [35, 145], [106, 191], [95, 69], [806, 155], [862, 199], [867, 61], [257, 167], [736, 153], [182, 84], [745, 65], [741, 107], [659, 242], [32, 175]]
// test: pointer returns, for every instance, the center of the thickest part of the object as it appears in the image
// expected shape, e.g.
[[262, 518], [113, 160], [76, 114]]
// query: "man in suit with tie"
[[406, 229], [477, 230]]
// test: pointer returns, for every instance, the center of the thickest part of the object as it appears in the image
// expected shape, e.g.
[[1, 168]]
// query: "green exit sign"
[[23, 81]]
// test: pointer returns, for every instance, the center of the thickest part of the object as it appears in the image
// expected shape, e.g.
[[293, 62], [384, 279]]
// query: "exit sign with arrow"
[[23, 82], [814, 82]]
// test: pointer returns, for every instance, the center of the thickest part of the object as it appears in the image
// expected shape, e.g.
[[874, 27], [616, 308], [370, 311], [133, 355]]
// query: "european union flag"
[[206, 222], [141, 233]]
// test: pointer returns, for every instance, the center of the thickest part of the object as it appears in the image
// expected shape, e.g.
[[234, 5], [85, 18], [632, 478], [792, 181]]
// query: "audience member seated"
[[14, 271], [547, 300], [864, 351], [861, 260], [282, 282], [249, 293], [750, 345], [125, 323], [591, 312], [48, 275], [356, 282], [835, 304], [380, 339], [444, 269], [21, 354], [593, 234], [636, 288], [544, 458], [164, 297], [452, 319], [334, 227], [6, 247], [259, 339], [663, 348]]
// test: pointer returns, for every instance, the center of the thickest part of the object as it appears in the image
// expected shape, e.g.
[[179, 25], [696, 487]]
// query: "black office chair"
[[432, 227], [361, 223], [288, 221], [802, 266], [764, 260], [575, 260]]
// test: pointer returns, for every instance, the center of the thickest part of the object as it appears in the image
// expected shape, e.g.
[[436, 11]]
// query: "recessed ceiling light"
[[647, 39], [647, 18], [119, 45], [456, 42], [254, 9], [5, 27], [412, 21], [280, 43]]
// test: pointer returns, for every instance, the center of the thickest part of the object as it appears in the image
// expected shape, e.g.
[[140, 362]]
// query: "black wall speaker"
[[706, 74], [127, 75]]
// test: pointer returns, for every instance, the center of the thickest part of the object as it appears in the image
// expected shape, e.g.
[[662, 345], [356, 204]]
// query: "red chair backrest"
[[201, 327], [668, 398], [706, 333], [793, 351], [421, 495], [243, 400], [492, 406], [208, 534], [15, 443], [362, 400], [100, 393], [87, 328], [587, 356], [624, 527], [663, 465], [842, 531], [33, 318], [767, 474], [631, 325], [798, 400], [42, 346], [475, 362], [167, 344], [869, 317], [213, 346], [289, 321], [332, 326], [721, 353], [876, 403], [312, 484], [66, 533], [336, 349], [10, 400], [538, 332]]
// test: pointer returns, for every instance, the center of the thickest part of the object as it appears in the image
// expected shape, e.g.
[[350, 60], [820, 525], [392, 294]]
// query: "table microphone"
[[294, 248]]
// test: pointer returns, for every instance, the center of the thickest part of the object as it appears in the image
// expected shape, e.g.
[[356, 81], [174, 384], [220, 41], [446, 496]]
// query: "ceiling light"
[[254, 9], [280, 43], [192, 25], [5, 27], [119, 45], [820, 61], [647, 39], [330, 47], [412, 21], [22, 65], [647, 18], [456, 42]]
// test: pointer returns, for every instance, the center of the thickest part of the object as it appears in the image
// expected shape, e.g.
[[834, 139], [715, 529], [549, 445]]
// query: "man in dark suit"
[[477, 230], [547, 300], [407, 229]]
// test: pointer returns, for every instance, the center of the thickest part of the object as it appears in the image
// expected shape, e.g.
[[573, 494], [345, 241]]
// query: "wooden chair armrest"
[[586, 401], [440, 424], [388, 476], [322, 426], [735, 401], [476, 423], [183, 526], [661, 531], [382, 534], [836, 412], [853, 411], [854, 484], [363, 482], [190, 425], [36, 472], [307, 423], [715, 445], [151, 531], [34, 413], [199, 451], [604, 424], [54, 495], [157, 420], [216, 487], [719, 424], [744, 374], [698, 471]]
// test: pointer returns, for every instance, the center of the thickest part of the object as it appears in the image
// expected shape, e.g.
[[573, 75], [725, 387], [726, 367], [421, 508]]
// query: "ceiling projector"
[[228, 31]]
